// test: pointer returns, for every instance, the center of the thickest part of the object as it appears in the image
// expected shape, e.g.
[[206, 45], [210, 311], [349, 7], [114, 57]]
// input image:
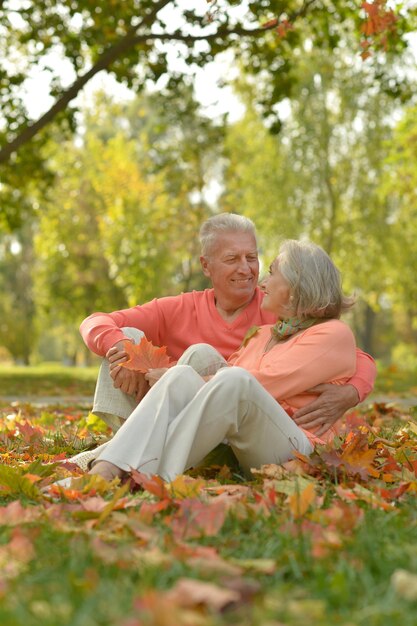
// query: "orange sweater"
[[176, 322], [324, 353], [179, 321]]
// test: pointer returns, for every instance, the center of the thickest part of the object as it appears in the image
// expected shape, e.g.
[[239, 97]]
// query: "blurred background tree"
[[101, 199]]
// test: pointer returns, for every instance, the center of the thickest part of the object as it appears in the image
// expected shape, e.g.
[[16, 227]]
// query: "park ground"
[[325, 541]]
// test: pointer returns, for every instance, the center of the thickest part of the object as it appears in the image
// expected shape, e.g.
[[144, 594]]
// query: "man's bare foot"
[[107, 470]]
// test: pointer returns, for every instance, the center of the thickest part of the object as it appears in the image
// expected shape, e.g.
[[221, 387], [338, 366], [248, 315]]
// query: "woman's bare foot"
[[107, 470]]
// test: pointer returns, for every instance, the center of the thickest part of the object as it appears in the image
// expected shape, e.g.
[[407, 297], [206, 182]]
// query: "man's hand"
[[130, 382], [332, 402]]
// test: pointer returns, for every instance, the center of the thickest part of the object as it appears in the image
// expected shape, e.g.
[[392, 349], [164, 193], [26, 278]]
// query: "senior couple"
[[280, 392]]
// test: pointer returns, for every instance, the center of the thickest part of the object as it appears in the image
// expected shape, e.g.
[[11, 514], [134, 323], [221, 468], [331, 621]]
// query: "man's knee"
[[205, 359], [133, 333], [180, 377]]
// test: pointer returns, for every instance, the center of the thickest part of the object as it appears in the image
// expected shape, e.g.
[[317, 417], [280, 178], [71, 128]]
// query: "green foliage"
[[119, 226], [17, 326], [129, 40], [70, 262], [399, 191], [321, 177]]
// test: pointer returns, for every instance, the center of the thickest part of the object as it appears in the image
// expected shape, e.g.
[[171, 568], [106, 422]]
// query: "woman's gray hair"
[[315, 282], [223, 223]]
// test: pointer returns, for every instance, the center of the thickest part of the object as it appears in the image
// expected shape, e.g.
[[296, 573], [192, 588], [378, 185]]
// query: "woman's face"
[[277, 292]]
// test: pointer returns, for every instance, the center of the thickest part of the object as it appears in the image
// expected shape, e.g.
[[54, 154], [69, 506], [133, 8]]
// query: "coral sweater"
[[179, 321], [324, 353]]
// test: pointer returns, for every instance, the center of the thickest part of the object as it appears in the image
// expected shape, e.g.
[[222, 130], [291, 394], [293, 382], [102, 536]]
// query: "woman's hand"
[[332, 402], [153, 375]]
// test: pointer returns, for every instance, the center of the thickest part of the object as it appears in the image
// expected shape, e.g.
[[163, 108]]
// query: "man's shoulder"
[[186, 298]]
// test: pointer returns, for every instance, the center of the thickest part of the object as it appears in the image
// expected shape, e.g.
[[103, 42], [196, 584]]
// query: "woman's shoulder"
[[332, 328]]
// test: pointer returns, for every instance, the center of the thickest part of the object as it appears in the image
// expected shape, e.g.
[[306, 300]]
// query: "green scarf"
[[285, 328]]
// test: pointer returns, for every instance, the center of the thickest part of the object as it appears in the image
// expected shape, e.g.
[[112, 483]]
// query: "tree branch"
[[107, 58], [130, 40]]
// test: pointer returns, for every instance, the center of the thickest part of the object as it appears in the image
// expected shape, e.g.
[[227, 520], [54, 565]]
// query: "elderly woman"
[[250, 399]]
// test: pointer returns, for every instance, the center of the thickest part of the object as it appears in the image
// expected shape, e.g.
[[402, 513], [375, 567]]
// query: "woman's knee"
[[234, 376]]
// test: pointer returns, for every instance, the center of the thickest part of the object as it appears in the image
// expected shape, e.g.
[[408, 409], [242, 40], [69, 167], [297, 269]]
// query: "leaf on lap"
[[145, 356]]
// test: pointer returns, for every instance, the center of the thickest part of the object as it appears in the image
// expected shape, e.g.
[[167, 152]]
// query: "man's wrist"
[[353, 395]]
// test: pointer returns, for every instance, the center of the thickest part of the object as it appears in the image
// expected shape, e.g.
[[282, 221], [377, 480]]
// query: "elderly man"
[[220, 316]]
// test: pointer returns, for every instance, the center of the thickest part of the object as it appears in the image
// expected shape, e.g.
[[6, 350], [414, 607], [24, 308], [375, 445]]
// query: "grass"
[[52, 379], [76, 579], [394, 380], [327, 543], [49, 379]]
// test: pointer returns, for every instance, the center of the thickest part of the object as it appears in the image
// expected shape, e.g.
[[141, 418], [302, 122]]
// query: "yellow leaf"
[[186, 487], [413, 427], [300, 502]]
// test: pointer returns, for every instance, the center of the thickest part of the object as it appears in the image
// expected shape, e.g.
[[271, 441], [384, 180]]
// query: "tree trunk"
[[368, 329]]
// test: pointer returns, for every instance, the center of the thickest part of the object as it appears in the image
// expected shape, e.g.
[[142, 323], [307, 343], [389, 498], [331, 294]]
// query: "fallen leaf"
[[404, 584], [186, 487], [145, 356], [299, 502], [195, 519], [14, 514], [188, 592], [153, 484]]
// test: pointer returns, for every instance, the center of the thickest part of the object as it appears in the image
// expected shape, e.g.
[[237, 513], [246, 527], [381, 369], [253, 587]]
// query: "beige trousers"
[[182, 419], [114, 406]]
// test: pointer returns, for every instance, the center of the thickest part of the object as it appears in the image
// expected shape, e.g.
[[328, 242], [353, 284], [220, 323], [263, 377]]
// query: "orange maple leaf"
[[360, 459], [145, 356]]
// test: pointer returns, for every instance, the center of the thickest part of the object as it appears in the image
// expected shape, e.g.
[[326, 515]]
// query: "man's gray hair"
[[223, 223], [315, 281]]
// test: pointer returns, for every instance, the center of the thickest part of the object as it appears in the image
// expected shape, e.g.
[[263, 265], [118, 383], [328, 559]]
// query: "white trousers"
[[182, 419], [114, 406]]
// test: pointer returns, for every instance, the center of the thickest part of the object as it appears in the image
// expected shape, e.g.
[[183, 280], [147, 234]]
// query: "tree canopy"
[[161, 41]]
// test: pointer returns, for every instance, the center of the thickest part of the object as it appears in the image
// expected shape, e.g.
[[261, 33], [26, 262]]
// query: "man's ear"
[[204, 265]]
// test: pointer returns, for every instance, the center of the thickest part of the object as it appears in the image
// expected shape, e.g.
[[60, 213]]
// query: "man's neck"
[[229, 311]]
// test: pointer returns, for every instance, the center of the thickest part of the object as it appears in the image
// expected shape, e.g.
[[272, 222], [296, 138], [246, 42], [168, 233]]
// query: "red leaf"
[[197, 519], [154, 484], [145, 356]]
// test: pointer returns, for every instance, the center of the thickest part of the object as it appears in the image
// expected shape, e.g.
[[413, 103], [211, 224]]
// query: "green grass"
[[82, 577], [393, 380], [47, 380], [51, 379]]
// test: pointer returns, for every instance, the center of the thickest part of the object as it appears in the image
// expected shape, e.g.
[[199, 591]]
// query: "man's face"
[[232, 265]]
